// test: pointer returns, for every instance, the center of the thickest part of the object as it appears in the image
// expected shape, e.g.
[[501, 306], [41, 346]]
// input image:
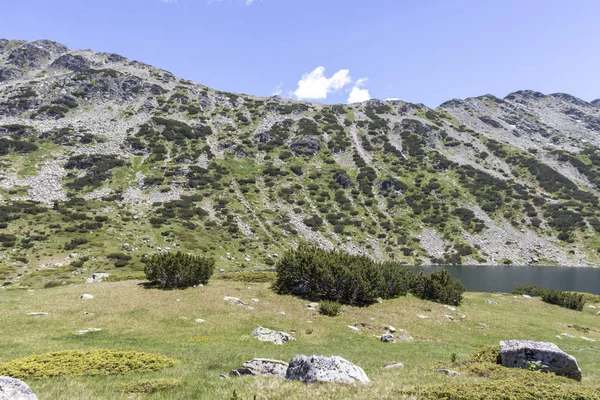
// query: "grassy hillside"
[[133, 317]]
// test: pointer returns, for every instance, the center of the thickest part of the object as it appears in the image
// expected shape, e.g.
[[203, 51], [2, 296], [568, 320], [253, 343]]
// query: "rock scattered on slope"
[[448, 372], [86, 296], [524, 353], [37, 314], [87, 330], [261, 366], [269, 335], [387, 338], [318, 368], [15, 389], [98, 277], [393, 365]]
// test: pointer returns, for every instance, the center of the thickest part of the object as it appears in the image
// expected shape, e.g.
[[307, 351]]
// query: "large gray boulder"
[[325, 369], [544, 355], [269, 335], [15, 389], [262, 366]]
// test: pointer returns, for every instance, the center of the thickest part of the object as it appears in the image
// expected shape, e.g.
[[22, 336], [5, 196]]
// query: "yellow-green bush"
[[79, 363], [489, 354], [150, 385]]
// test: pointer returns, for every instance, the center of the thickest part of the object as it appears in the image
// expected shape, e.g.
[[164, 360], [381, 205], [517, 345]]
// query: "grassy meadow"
[[133, 317]]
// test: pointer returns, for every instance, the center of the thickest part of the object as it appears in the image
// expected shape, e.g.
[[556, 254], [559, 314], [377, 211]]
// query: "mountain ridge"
[[125, 153]]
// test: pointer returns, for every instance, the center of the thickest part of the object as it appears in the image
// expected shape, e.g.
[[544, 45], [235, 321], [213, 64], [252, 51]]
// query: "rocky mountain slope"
[[111, 159]]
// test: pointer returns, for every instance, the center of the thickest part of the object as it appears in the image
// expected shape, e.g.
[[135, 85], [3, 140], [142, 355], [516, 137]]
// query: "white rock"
[[15, 389], [36, 314], [87, 330], [199, 320], [86, 296], [325, 369], [254, 300], [526, 296], [422, 316], [450, 317], [491, 302], [393, 365], [354, 328], [391, 329]]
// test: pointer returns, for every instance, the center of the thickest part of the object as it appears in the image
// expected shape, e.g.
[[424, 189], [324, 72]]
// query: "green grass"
[[133, 318]]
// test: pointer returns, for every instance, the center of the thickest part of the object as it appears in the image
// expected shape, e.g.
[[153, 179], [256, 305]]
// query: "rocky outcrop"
[[325, 369], [15, 389], [307, 146], [596, 102], [269, 335], [71, 62], [261, 366], [541, 355]]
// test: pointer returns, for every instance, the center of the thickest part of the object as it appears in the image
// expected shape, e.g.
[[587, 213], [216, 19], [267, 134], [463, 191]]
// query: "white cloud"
[[316, 86], [392, 99], [359, 94], [170, 1]]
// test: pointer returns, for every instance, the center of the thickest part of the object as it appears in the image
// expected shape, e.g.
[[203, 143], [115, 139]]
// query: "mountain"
[[104, 159]]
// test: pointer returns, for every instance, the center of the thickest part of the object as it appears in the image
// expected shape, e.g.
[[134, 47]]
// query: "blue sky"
[[333, 51]]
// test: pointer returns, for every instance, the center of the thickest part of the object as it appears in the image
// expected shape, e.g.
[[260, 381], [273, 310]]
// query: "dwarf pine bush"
[[83, 363], [178, 270], [357, 280]]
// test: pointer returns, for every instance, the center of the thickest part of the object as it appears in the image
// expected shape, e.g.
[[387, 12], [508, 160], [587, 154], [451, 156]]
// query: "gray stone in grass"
[[15, 389], [318, 368]]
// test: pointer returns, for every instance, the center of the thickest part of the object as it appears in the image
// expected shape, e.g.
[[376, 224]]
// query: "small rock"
[[262, 366], [282, 313], [393, 365], [312, 305], [526, 296], [86, 296], [448, 372], [354, 328], [250, 308], [387, 338], [449, 307], [422, 316], [200, 320], [404, 337], [269, 335], [589, 340], [391, 329], [254, 300], [95, 278], [88, 330], [491, 302], [568, 335], [591, 306], [36, 314], [450, 317], [558, 337], [461, 315], [223, 376], [15, 389], [598, 313]]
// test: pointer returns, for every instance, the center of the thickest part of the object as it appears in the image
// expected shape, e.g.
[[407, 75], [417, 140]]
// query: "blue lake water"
[[506, 278]]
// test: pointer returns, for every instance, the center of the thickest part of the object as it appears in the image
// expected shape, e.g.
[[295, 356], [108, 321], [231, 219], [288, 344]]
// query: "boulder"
[[318, 368], [524, 353], [261, 366], [269, 335], [15, 389], [343, 180], [71, 62], [98, 277], [87, 330]]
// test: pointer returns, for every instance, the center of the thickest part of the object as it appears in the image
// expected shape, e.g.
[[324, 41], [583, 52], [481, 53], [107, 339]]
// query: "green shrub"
[[439, 286], [571, 300], [84, 363], [150, 385], [338, 276], [330, 308], [531, 290], [178, 270], [489, 354]]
